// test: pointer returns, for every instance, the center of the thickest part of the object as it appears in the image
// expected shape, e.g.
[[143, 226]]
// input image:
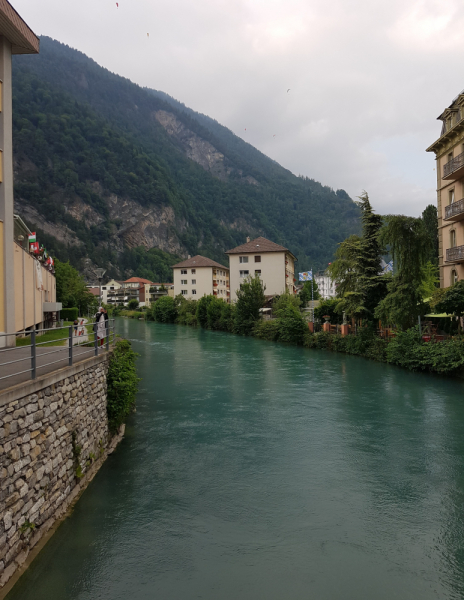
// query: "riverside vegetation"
[[363, 295]]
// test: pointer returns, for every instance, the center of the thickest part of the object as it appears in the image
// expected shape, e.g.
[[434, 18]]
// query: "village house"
[[449, 152], [274, 264], [200, 276]]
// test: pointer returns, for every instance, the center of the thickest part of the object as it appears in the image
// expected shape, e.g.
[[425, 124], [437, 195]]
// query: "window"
[[244, 259], [257, 258], [244, 273], [451, 196], [258, 272], [454, 276], [183, 272], [452, 238], [184, 292], [194, 292], [194, 271], [450, 156], [103, 288], [183, 282]]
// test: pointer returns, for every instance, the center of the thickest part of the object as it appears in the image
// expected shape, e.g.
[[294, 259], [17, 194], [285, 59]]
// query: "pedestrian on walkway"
[[76, 323], [101, 320]]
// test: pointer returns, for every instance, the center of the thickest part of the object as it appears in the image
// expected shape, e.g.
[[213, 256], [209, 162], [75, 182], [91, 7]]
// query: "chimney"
[[188, 257], [248, 239]]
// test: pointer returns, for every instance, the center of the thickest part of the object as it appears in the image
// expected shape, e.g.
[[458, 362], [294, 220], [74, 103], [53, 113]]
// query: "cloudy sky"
[[367, 78]]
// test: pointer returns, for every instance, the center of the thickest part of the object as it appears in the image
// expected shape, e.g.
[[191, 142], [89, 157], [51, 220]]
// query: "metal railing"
[[455, 254], [73, 334], [453, 209], [453, 165]]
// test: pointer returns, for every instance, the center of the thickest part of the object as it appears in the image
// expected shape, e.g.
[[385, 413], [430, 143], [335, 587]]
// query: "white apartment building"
[[108, 290], [325, 285], [274, 264], [200, 276]]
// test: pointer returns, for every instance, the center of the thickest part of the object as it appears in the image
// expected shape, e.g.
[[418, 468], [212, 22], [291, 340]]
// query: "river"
[[253, 470]]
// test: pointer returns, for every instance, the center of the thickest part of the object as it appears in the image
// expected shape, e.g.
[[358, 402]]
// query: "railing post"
[[70, 346], [96, 338], [33, 355]]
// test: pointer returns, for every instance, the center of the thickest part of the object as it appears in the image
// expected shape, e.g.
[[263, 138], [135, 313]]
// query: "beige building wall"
[[449, 151], [276, 269], [195, 282], [29, 300]]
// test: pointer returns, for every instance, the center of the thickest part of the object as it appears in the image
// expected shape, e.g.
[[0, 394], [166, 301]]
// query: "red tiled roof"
[[260, 244], [138, 280], [199, 261], [95, 291]]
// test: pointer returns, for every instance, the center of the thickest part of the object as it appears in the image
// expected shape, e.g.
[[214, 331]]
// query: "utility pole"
[[100, 273]]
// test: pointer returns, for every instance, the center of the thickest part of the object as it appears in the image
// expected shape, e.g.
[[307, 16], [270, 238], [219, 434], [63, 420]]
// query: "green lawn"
[[53, 336]]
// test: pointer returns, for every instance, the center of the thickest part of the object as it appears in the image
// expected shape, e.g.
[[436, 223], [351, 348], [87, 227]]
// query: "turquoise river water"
[[253, 470]]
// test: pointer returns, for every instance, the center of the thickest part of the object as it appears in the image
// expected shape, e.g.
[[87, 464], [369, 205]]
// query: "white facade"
[[195, 278], [326, 286], [276, 268], [109, 287]]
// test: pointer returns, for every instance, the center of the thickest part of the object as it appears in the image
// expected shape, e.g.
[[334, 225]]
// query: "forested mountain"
[[118, 176]]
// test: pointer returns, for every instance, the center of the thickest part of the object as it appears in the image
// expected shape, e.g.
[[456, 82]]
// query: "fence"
[[37, 349]]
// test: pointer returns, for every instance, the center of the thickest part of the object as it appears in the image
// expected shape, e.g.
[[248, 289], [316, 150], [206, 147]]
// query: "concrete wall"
[[42, 424], [28, 298], [273, 269]]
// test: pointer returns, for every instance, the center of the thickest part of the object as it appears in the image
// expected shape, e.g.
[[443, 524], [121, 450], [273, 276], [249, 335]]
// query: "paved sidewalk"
[[57, 355]]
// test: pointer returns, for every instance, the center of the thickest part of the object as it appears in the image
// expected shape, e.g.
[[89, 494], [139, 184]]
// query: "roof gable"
[[260, 244], [199, 261]]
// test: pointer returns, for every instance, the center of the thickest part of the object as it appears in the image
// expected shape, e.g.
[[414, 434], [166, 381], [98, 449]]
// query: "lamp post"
[[100, 272]]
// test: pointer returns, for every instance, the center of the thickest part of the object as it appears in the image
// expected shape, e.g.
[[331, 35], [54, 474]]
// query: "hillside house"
[[274, 264], [200, 276]]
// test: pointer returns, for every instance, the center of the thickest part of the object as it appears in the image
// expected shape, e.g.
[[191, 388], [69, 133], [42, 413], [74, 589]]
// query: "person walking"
[[101, 321]]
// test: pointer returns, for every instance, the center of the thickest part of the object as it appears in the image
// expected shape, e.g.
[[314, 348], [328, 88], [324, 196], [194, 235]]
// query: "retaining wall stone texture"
[[40, 436]]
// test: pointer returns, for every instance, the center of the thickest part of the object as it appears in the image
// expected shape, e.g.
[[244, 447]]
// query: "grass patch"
[[54, 337]]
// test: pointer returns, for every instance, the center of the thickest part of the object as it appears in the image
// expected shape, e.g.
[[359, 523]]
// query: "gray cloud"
[[367, 78]]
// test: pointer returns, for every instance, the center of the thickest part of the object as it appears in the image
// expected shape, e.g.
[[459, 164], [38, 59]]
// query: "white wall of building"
[[326, 286], [273, 269], [195, 282]]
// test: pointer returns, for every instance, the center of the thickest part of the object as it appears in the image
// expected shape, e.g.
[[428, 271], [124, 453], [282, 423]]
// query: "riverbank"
[[253, 470], [406, 349]]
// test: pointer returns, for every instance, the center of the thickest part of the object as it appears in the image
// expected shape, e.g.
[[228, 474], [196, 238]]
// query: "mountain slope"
[[104, 167]]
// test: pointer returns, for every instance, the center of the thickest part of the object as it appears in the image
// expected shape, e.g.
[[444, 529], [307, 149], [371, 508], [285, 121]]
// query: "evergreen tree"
[[358, 266], [430, 219], [250, 298]]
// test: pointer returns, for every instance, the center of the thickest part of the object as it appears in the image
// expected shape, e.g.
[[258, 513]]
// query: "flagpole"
[[312, 292]]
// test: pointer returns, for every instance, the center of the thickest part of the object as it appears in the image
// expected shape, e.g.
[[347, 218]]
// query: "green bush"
[[214, 313], [408, 350], [328, 307], [164, 310], [133, 304], [122, 384], [267, 330], [226, 321], [69, 314], [187, 312], [202, 310], [292, 326]]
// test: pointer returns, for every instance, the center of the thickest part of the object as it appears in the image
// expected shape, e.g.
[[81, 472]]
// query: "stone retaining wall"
[[52, 431]]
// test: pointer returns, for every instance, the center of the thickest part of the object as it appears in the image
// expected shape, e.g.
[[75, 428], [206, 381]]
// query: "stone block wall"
[[52, 431]]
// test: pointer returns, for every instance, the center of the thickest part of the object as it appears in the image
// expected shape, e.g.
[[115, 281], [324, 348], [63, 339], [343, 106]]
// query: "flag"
[[306, 276], [388, 267], [32, 237], [34, 247]]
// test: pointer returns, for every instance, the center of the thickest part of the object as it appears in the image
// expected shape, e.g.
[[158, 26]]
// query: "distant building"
[[200, 276], [325, 285], [109, 290], [274, 264], [449, 152]]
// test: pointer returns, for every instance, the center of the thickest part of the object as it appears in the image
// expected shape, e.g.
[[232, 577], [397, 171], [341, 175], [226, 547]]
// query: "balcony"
[[455, 211], [455, 255], [215, 283], [454, 168]]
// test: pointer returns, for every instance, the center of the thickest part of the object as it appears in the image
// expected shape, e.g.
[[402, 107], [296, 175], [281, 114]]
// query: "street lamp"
[[100, 272]]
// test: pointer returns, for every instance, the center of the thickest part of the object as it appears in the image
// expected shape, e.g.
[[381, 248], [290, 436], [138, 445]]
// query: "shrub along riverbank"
[[406, 350]]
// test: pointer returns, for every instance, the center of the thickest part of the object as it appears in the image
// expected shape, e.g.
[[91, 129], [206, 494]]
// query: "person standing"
[[101, 321]]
